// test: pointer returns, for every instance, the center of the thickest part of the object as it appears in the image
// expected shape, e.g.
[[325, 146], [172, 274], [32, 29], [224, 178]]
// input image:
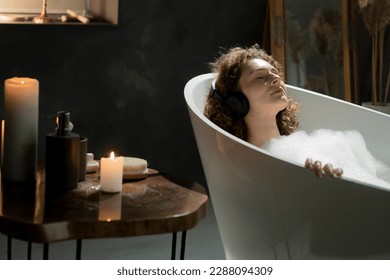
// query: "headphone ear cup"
[[237, 104]]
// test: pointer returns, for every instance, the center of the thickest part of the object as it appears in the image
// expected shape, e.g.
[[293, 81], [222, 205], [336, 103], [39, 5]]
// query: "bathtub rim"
[[192, 105]]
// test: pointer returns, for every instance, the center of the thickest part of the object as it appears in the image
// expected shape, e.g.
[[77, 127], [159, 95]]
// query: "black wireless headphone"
[[235, 101]]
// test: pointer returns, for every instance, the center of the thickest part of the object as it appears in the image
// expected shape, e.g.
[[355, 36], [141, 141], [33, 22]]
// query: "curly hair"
[[228, 67]]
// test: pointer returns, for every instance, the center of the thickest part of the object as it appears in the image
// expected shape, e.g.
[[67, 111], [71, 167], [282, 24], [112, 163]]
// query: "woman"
[[248, 99]]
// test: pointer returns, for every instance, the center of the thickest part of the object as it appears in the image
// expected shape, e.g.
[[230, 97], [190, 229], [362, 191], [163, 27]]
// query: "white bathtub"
[[269, 208]]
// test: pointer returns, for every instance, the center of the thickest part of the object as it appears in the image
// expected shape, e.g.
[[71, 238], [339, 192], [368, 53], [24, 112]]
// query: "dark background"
[[124, 84]]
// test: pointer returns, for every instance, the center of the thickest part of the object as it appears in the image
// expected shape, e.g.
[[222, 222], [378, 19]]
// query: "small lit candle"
[[21, 105], [111, 173]]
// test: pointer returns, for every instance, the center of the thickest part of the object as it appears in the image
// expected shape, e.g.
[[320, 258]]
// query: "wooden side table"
[[160, 203]]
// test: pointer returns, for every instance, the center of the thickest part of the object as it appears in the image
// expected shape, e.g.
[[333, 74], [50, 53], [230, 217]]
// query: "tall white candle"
[[111, 173], [21, 110]]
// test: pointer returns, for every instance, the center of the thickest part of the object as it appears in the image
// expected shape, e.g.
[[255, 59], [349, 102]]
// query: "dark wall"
[[124, 85]]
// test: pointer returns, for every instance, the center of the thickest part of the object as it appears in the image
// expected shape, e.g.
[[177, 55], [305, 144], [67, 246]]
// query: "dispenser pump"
[[64, 125]]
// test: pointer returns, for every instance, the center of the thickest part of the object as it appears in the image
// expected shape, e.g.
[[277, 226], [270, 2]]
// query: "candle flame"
[[112, 155]]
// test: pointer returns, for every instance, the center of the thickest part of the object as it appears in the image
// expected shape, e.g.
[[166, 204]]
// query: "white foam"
[[344, 149]]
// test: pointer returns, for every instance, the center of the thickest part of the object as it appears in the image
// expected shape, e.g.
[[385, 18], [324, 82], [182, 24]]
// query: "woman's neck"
[[261, 129]]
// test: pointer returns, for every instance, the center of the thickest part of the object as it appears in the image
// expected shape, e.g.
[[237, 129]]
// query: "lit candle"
[[21, 102], [111, 173]]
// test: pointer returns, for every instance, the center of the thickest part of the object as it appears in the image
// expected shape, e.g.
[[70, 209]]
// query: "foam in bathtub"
[[345, 149]]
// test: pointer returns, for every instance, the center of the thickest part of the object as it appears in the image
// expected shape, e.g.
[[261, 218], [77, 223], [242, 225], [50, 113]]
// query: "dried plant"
[[376, 17], [323, 27], [338, 56], [297, 44]]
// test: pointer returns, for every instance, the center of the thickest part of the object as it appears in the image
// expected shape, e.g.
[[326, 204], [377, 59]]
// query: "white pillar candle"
[[111, 173], [21, 110]]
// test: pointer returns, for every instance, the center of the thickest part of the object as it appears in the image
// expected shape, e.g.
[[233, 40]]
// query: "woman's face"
[[263, 86]]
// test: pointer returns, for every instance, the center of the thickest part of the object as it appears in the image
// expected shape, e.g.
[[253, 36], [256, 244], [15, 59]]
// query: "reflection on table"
[[161, 203]]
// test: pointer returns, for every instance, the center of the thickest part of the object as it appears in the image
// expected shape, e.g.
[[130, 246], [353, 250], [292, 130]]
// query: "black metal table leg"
[[183, 244], [46, 251], [173, 250], [78, 249], [9, 248], [29, 251]]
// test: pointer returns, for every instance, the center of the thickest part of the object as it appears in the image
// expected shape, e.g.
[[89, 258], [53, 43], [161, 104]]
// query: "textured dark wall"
[[124, 85]]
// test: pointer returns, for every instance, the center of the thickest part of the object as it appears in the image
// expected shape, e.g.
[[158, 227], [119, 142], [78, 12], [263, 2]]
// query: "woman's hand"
[[320, 171]]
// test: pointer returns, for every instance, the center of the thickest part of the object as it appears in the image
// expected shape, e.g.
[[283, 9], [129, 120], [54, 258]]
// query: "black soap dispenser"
[[62, 156]]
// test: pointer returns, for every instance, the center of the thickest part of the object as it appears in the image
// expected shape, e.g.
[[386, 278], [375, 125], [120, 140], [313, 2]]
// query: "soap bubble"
[[344, 149]]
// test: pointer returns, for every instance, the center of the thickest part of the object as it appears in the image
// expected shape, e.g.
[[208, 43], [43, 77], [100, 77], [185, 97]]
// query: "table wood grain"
[[160, 203]]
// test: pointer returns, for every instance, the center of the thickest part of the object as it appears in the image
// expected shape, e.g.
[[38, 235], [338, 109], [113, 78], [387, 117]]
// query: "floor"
[[203, 243]]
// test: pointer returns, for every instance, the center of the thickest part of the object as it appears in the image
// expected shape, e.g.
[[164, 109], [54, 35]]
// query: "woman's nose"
[[275, 79]]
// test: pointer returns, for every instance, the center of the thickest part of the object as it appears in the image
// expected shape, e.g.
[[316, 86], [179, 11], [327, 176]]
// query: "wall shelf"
[[97, 12]]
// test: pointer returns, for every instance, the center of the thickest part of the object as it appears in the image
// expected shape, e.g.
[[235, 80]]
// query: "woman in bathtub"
[[248, 99]]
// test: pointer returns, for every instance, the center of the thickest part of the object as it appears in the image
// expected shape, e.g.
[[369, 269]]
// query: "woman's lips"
[[278, 91]]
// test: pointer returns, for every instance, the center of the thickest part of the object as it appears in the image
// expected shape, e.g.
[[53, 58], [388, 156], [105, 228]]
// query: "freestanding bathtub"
[[271, 208]]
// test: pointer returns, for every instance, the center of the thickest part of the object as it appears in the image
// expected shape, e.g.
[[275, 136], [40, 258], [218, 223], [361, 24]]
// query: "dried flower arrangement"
[[324, 45], [298, 49], [323, 30], [376, 17]]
